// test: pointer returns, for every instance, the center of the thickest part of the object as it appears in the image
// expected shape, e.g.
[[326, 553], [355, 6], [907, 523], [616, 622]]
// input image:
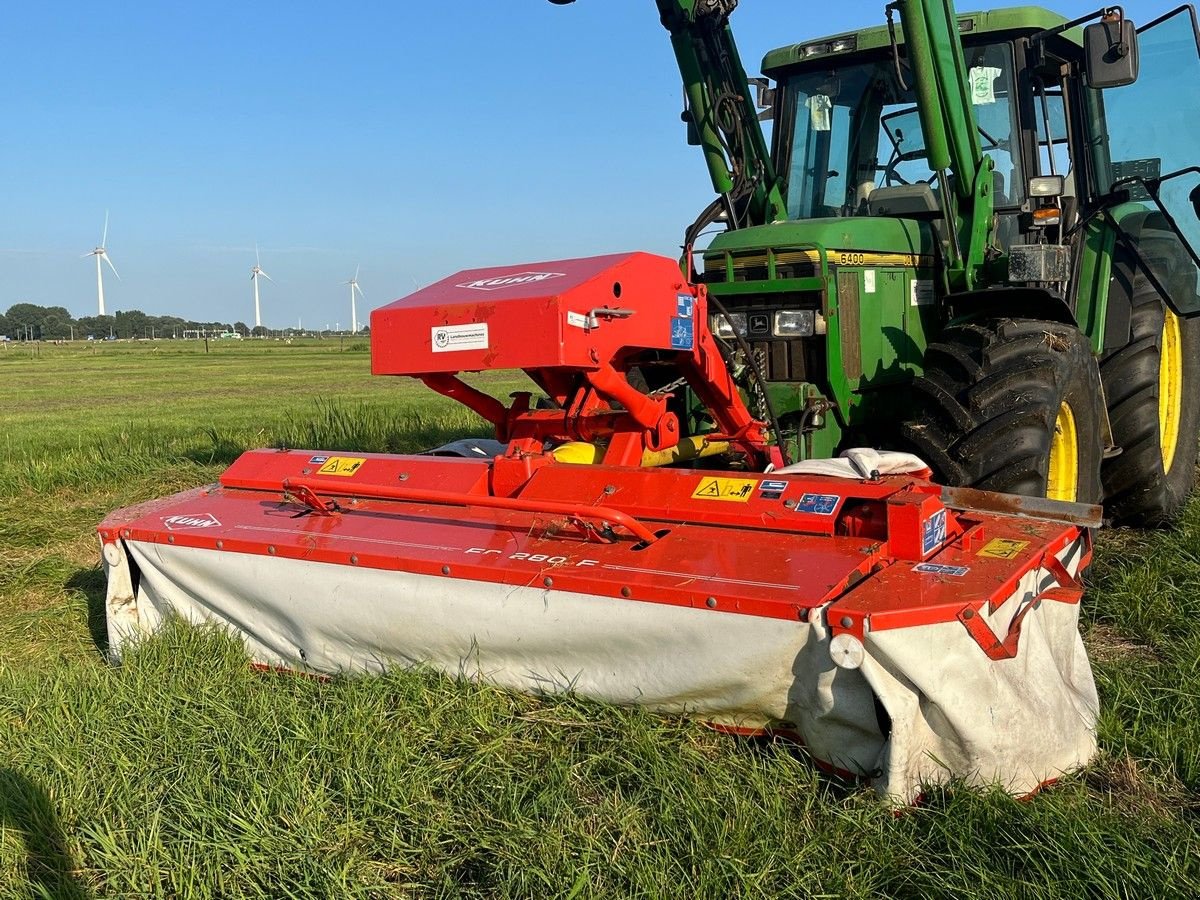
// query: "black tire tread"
[[986, 404], [1137, 490]]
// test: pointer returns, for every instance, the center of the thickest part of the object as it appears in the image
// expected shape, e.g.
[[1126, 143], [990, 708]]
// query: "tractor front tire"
[[1011, 405], [1153, 390]]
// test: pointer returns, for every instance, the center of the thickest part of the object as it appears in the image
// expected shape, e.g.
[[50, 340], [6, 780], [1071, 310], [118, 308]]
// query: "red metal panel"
[[267, 469], [753, 555], [529, 316]]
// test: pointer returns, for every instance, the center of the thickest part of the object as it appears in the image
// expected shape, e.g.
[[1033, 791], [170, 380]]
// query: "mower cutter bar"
[[896, 636]]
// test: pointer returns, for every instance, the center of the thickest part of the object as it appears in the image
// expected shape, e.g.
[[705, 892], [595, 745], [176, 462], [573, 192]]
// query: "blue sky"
[[411, 139]]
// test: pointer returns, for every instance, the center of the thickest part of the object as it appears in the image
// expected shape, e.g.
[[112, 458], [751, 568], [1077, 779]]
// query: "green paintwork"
[[878, 234], [1021, 19], [886, 346], [1095, 273]]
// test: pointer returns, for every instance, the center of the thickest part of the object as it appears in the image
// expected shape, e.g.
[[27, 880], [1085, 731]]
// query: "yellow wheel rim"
[[1170, 388], [1062, 478]]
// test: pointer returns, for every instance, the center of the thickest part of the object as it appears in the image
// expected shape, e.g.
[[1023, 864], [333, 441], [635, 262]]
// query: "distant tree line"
[[29, 321]]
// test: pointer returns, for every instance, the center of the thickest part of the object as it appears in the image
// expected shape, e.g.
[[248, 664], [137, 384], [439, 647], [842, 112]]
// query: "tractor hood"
[[858, 240]]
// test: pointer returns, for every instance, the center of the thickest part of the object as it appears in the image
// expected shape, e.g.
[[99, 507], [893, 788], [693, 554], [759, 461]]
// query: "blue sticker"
[[683, 305], [933, 533], [818, 504], [935, 569], [772, 486], [681, 333], [318, 460]]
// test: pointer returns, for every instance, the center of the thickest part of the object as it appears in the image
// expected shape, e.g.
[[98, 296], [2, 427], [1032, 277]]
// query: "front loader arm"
[[721, 110], [939, 69]]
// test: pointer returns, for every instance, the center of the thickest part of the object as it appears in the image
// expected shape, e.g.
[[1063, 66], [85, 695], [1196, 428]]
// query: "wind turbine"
[[102, 254], [255, 273], [353, 282]]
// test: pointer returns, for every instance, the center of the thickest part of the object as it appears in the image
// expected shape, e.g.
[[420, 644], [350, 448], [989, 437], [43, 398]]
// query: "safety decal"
[[737, 490], [195, 520], [936, 569], [683, 305], [341, 465], [818, 504], [772, 490], [1002, 548], [933, 532], [682, 331]]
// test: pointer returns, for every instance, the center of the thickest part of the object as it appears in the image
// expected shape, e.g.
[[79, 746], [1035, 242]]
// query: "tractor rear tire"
[[1011, 405], [1153, 390]]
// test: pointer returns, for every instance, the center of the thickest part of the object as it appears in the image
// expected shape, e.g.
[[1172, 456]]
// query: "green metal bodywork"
[[879, 283], [1026, 19], [874, 281]]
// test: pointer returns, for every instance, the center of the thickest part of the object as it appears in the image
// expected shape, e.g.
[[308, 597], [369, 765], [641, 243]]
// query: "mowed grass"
[[183, 773]]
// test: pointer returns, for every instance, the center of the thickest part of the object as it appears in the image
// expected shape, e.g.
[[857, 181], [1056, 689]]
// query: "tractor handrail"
[[448, 498]]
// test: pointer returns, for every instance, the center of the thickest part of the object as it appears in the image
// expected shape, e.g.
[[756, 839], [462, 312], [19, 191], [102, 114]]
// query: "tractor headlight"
[[721, 326], [794, 323]]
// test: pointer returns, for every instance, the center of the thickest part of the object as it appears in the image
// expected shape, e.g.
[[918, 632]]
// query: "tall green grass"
[[185, 774]]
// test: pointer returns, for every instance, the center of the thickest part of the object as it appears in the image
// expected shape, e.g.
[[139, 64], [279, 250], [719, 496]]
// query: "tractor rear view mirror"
[[1110, 53]]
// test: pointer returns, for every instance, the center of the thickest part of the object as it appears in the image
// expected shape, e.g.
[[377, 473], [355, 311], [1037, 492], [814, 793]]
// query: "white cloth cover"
[[948, 710], [859, 463]]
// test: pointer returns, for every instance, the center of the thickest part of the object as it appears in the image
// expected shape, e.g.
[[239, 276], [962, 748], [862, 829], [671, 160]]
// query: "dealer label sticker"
[[445, 338], [818, 504], [344, 466], [737, 490], [1002, 548], [936, 569]]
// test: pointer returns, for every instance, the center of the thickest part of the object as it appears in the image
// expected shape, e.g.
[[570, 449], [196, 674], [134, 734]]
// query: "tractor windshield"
[[853, 129]]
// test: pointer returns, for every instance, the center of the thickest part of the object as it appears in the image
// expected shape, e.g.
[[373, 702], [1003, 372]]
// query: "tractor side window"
[[1153, 131], [993, 100], [1054, 155]]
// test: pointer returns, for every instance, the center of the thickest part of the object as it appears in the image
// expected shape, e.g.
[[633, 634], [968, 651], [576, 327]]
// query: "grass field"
[[184, 774]]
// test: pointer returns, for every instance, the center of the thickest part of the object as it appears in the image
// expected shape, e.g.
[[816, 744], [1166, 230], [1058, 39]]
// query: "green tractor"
[[972, 236]]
